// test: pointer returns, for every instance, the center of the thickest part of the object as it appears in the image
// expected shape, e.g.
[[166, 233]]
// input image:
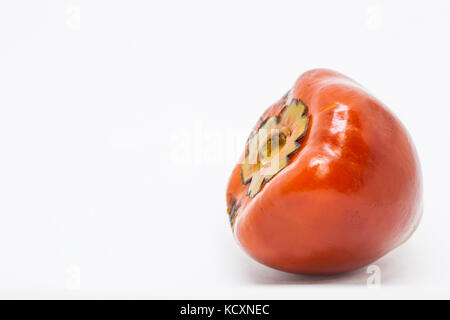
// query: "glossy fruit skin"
[[351, 194]]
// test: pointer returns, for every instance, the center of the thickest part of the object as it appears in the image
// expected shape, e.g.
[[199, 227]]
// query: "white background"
[[120, 123]]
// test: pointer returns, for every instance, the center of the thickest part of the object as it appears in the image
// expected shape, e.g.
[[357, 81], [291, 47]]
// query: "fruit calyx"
[[269, 148]]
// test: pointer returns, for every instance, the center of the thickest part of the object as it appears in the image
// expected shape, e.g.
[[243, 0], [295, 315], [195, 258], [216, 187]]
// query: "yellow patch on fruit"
[[269, 149]]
